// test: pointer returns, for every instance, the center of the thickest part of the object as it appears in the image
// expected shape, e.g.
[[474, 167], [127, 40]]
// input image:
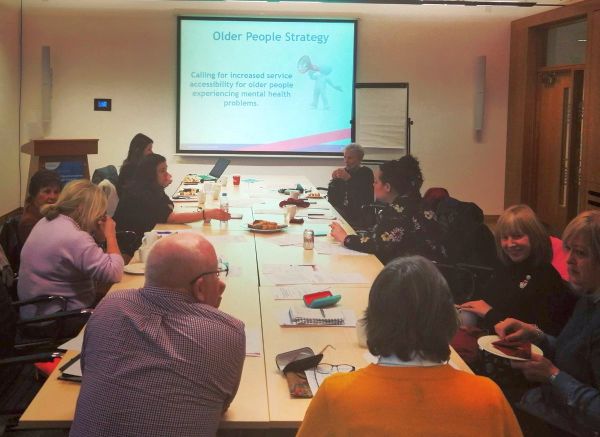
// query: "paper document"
[[253, 342], [325, 247], [288, 240], [281, 274], [295, 292], [288, 269], [243, 203], [74, 344], [315, 379], [217, 240], [273, 211]]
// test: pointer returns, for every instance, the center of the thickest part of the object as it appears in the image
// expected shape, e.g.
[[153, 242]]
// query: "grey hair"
[[355, 148]]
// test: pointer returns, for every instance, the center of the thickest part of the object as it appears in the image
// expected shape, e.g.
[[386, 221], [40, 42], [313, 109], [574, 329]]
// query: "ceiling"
[[128, 4]]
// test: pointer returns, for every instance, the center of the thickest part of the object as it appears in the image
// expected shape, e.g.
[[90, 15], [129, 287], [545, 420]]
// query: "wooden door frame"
[[527, 49]]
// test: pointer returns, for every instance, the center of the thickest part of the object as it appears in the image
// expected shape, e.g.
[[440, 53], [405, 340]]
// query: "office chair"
[[19, 380]]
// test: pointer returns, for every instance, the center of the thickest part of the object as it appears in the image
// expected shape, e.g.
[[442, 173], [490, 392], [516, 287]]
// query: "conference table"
[[263, 399]]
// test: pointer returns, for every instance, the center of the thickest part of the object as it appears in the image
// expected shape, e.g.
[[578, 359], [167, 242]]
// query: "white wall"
[[130, 56], [9, 105]]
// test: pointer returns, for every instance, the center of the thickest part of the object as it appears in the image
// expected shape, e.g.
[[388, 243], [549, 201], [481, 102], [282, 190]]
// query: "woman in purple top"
[[62, 257]]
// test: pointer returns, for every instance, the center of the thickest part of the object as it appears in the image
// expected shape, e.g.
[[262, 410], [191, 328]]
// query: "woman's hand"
[[105, 229], [515, 330], [338, 232], [478, 307], [217, 214], [537, 369]]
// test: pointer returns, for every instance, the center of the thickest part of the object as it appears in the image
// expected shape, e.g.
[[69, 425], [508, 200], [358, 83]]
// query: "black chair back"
[[10, 242]]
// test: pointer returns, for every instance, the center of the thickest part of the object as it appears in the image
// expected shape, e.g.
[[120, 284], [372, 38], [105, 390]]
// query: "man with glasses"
[[162, 360]]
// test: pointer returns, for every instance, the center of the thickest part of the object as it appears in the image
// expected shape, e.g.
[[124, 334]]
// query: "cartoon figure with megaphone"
[[320, 74]]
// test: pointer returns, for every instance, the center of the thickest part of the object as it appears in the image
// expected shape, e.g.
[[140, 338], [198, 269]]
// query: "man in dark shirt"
[[351, 188]]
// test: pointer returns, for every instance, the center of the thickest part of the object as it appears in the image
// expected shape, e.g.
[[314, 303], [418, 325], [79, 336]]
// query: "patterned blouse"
[[403, 229]]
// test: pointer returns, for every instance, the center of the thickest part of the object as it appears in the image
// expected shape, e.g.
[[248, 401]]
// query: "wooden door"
[[557, 146]]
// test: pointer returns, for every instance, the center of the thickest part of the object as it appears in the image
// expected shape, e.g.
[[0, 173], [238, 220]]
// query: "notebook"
[[313, 316], [217, 170]]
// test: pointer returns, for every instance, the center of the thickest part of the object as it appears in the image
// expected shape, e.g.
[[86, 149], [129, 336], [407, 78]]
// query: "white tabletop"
[[262, 399]]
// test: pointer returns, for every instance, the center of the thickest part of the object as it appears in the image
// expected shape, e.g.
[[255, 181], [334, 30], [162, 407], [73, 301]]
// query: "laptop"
[[217, 170]]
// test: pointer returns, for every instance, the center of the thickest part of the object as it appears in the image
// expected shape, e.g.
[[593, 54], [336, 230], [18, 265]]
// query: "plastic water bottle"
[[224, 203]]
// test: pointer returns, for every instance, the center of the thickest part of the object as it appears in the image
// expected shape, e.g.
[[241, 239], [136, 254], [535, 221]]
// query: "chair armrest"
[[61, 315], [60, 299], [32, 358]]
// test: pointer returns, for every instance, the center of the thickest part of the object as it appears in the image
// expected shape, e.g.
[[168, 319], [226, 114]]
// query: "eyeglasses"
[[327, 369], [222, 267]]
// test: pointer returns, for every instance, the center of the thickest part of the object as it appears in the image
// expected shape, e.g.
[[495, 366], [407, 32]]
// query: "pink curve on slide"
[[302, 142]]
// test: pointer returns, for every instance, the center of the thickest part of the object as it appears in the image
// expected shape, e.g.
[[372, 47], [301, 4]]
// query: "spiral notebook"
[[313, 316]]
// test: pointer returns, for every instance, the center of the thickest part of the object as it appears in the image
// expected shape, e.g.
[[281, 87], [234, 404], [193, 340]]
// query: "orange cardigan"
[[409, 401]]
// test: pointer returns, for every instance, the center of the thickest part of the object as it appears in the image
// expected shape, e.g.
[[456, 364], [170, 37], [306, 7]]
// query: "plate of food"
[[135, 268], [186, 194], [515, 350], [191, 179], [265, 226]]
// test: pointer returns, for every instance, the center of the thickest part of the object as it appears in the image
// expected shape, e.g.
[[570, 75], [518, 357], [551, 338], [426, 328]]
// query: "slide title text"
[[271, 37]]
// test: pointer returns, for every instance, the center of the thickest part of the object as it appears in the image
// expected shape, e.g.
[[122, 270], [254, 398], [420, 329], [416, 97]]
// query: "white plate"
[[135, 268], [485, 343], [267, 231]]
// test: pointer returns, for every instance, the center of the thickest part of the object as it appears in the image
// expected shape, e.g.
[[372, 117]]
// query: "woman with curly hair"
[[404, 227]]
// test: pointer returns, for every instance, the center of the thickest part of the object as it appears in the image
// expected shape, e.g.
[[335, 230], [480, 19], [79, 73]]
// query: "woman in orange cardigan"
[[411, 391]]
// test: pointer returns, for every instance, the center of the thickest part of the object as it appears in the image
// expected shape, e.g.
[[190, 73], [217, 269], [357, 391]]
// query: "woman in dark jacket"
[[140, 146], [525, 285], [44, 188], [144, 203], [403, 228]]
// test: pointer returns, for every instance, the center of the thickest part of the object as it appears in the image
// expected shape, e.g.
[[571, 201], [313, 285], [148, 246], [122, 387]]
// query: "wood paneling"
[[527, 50], [591, 110]]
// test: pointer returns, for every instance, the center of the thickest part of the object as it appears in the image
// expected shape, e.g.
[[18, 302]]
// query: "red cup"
[[236, 179]]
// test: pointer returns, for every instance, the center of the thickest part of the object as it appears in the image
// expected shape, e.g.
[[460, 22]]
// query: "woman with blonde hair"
[[61, 256], [569, 372], [524, 285]]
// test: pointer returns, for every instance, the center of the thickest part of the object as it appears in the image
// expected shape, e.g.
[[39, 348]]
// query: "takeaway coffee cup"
[[361, 332], [291, 211]]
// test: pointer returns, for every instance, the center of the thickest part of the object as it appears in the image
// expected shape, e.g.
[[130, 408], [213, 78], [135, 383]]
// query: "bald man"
[[162, 360]]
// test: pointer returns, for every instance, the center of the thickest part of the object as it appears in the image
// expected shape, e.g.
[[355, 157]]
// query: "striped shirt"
[[157, 363]]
